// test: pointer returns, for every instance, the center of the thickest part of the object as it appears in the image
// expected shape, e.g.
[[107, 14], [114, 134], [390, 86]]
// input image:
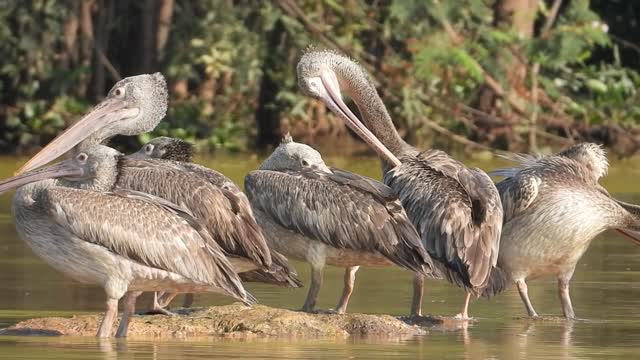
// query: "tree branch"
[[292, 9], [553, 13], [458, 138]]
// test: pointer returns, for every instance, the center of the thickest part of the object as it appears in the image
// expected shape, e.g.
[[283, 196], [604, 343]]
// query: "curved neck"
[[360, 89]]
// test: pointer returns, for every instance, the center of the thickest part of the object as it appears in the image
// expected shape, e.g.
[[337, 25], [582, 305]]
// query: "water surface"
[[604, 291]]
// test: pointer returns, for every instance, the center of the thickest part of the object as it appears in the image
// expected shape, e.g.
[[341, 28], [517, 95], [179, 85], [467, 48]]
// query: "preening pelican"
[[553, 208], [456, 209]]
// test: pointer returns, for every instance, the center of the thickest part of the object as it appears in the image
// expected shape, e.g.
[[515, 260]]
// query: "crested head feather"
[[287, 138]]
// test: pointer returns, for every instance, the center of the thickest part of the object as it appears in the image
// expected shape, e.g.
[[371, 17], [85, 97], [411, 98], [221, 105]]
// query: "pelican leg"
[[188, 300], [524, 295], [347, 290], [165, 299], [418, 291], [127, 313], [162, 302], [109, 317], [565, 298], [317, 272], [464, 314]]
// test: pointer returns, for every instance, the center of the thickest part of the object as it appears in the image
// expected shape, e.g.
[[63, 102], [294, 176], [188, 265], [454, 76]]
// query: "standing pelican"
[[179, 153], [135, 105], [127, 242], [456, 209], [328, 216], [553, 208]]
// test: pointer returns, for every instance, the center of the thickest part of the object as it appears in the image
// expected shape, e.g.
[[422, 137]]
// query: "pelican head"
[[133, 106], [321, 75], [290, 155], [165, 148], [593, 156], [94, 168]]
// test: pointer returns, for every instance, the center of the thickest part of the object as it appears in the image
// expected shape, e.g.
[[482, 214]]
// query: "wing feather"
[[144, 229], [340, 209], [218, 208], [456, 210]]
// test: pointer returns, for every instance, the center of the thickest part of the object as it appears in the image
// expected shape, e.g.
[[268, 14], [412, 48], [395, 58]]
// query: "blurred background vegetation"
[[519, 75]]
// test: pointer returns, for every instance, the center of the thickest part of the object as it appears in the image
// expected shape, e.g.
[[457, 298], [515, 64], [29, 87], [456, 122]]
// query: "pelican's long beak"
[[634, 211], [632, 235], [65, 168], [104, 114], [333, 99], [138, 155]]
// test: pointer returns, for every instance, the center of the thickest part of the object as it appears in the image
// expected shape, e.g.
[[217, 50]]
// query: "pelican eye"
[[119, 92], [305, 162], [148, 149], [82, 157]]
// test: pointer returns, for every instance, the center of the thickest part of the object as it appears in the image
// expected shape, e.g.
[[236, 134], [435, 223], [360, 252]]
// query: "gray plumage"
[[244, 233], [236, 234], [124, 241], [337, 211], [134, 105], [457, 210], [553, 208]]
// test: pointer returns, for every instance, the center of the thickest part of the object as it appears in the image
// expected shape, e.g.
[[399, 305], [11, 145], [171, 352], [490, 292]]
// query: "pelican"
[[179, 153], [553, 208], [325, 216], [136, 105], [456, 210], [127, 242]]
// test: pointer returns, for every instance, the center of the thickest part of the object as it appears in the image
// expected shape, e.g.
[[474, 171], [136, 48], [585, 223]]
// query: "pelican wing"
[[281, 273], [218, 208], [146, 230], [340, 209], [518, 192], [458, 213]]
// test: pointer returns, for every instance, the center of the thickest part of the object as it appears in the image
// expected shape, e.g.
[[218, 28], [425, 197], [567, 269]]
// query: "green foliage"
[[428, 55], [590, 93]]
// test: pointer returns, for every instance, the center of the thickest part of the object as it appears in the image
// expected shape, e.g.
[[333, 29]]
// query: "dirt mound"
[[234, 320]]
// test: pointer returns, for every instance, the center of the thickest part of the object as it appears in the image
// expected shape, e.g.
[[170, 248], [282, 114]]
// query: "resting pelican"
[[328, 216], [135, 105], [125, 241], [553, 208], [179, 153], [456, 209]]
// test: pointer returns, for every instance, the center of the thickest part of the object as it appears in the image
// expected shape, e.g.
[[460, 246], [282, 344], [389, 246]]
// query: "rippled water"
[[605, 293]]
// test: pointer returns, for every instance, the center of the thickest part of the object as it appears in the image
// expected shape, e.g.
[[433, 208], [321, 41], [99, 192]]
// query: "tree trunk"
[[517, 15], [164, 25], [70, 55], [148, 36], [99, 40], [86, 42], [275, 61]]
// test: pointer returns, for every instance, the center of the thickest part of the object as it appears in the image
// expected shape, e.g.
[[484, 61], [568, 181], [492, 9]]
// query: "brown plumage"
[[125, 241], [168, 150], [553, 209], [457, 210], [328, 216], [237, 235]]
